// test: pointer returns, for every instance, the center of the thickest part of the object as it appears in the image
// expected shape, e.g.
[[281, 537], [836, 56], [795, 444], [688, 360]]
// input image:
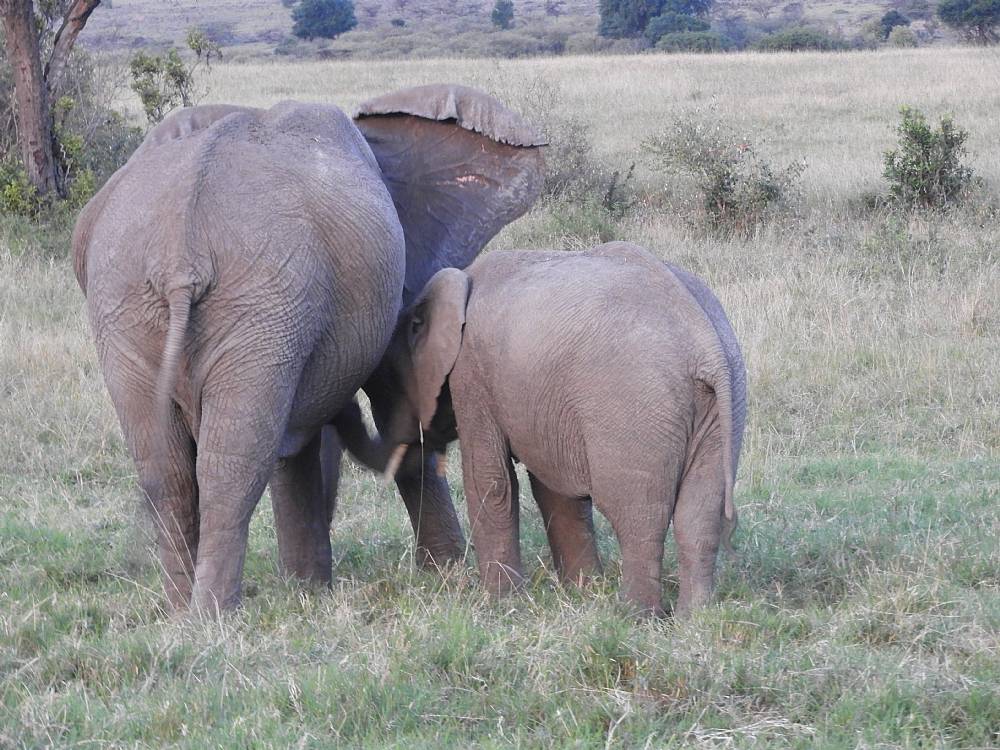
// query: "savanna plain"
[[863, 609]]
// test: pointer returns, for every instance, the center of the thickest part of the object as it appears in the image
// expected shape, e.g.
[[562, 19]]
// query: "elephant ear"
[[435, 336], [459, 166]]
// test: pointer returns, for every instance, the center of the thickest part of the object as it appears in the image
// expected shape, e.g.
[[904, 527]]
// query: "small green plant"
[[902, 36], [926, 170], [166, 81], [503, 14], [204, 48], [18, 196], [737, 189], [162, 82]]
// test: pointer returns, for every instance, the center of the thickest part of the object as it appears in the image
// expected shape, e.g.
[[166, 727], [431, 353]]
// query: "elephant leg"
[[569, 524], [425, 494], [432, 513], [698, 525], [169, 483], [640, 515], [237, 451], [302, 514], [330, 453], [164, 457], [492, 496]]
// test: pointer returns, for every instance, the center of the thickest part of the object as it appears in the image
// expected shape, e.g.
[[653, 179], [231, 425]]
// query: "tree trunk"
[[73, 23], [31, 97]]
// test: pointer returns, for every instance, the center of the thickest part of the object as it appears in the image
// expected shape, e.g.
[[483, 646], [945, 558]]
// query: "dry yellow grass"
[[836, 111]]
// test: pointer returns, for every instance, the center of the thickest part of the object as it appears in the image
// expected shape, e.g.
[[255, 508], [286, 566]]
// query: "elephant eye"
[[416, 323]]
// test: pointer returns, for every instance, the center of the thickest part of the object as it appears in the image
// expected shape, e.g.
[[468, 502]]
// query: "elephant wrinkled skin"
[[244, 272], [613, 377]]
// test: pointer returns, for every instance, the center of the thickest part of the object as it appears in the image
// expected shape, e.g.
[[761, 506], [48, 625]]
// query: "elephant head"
[[459, 166], [420, 357]]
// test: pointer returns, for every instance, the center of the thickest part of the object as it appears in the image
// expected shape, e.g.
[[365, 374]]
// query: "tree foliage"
[[631, 18], [503, 14], [669, 22], [626, 18], [977, 20], [798, 39], [323, 18]]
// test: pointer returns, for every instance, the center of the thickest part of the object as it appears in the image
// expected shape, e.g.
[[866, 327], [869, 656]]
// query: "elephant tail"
[[720, 380], [179, 302]]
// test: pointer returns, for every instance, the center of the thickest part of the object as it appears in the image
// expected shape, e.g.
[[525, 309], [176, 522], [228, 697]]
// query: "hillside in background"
[[424, 28]]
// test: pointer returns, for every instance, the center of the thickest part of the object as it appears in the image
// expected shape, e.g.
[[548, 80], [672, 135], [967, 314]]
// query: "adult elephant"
[[244, 272]]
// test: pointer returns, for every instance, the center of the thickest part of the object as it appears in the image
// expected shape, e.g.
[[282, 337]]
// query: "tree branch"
[[73, 23]]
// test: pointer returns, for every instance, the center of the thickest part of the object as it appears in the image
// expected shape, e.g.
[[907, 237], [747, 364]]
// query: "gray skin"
[[613, 377], [244, 272]]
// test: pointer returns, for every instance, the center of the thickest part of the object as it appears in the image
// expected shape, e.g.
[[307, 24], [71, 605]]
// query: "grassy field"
[[431, 28], [864, 607]]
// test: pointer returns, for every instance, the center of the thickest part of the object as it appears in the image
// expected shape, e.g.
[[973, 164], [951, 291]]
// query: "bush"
[[737, 189], [18, 196], [162, 82], [691, 41], [926, 169], [798, 39], [673, 23], [902, 36], [571, 170], [323, 18], [892, 20]]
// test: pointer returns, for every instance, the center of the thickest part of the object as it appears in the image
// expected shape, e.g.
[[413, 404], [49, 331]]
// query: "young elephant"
[[613, 377]]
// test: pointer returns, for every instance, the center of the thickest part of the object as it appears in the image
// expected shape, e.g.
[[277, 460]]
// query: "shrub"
[[926, 168], [902, 36], [691, 41], [18, 196], [892, 20], [323, 18], [798, 39], [571, 170], [503, 14], [165, 81], [737, 189], [162, 82]]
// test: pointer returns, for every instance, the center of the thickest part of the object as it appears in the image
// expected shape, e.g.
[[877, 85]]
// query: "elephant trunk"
[[394, 462]]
